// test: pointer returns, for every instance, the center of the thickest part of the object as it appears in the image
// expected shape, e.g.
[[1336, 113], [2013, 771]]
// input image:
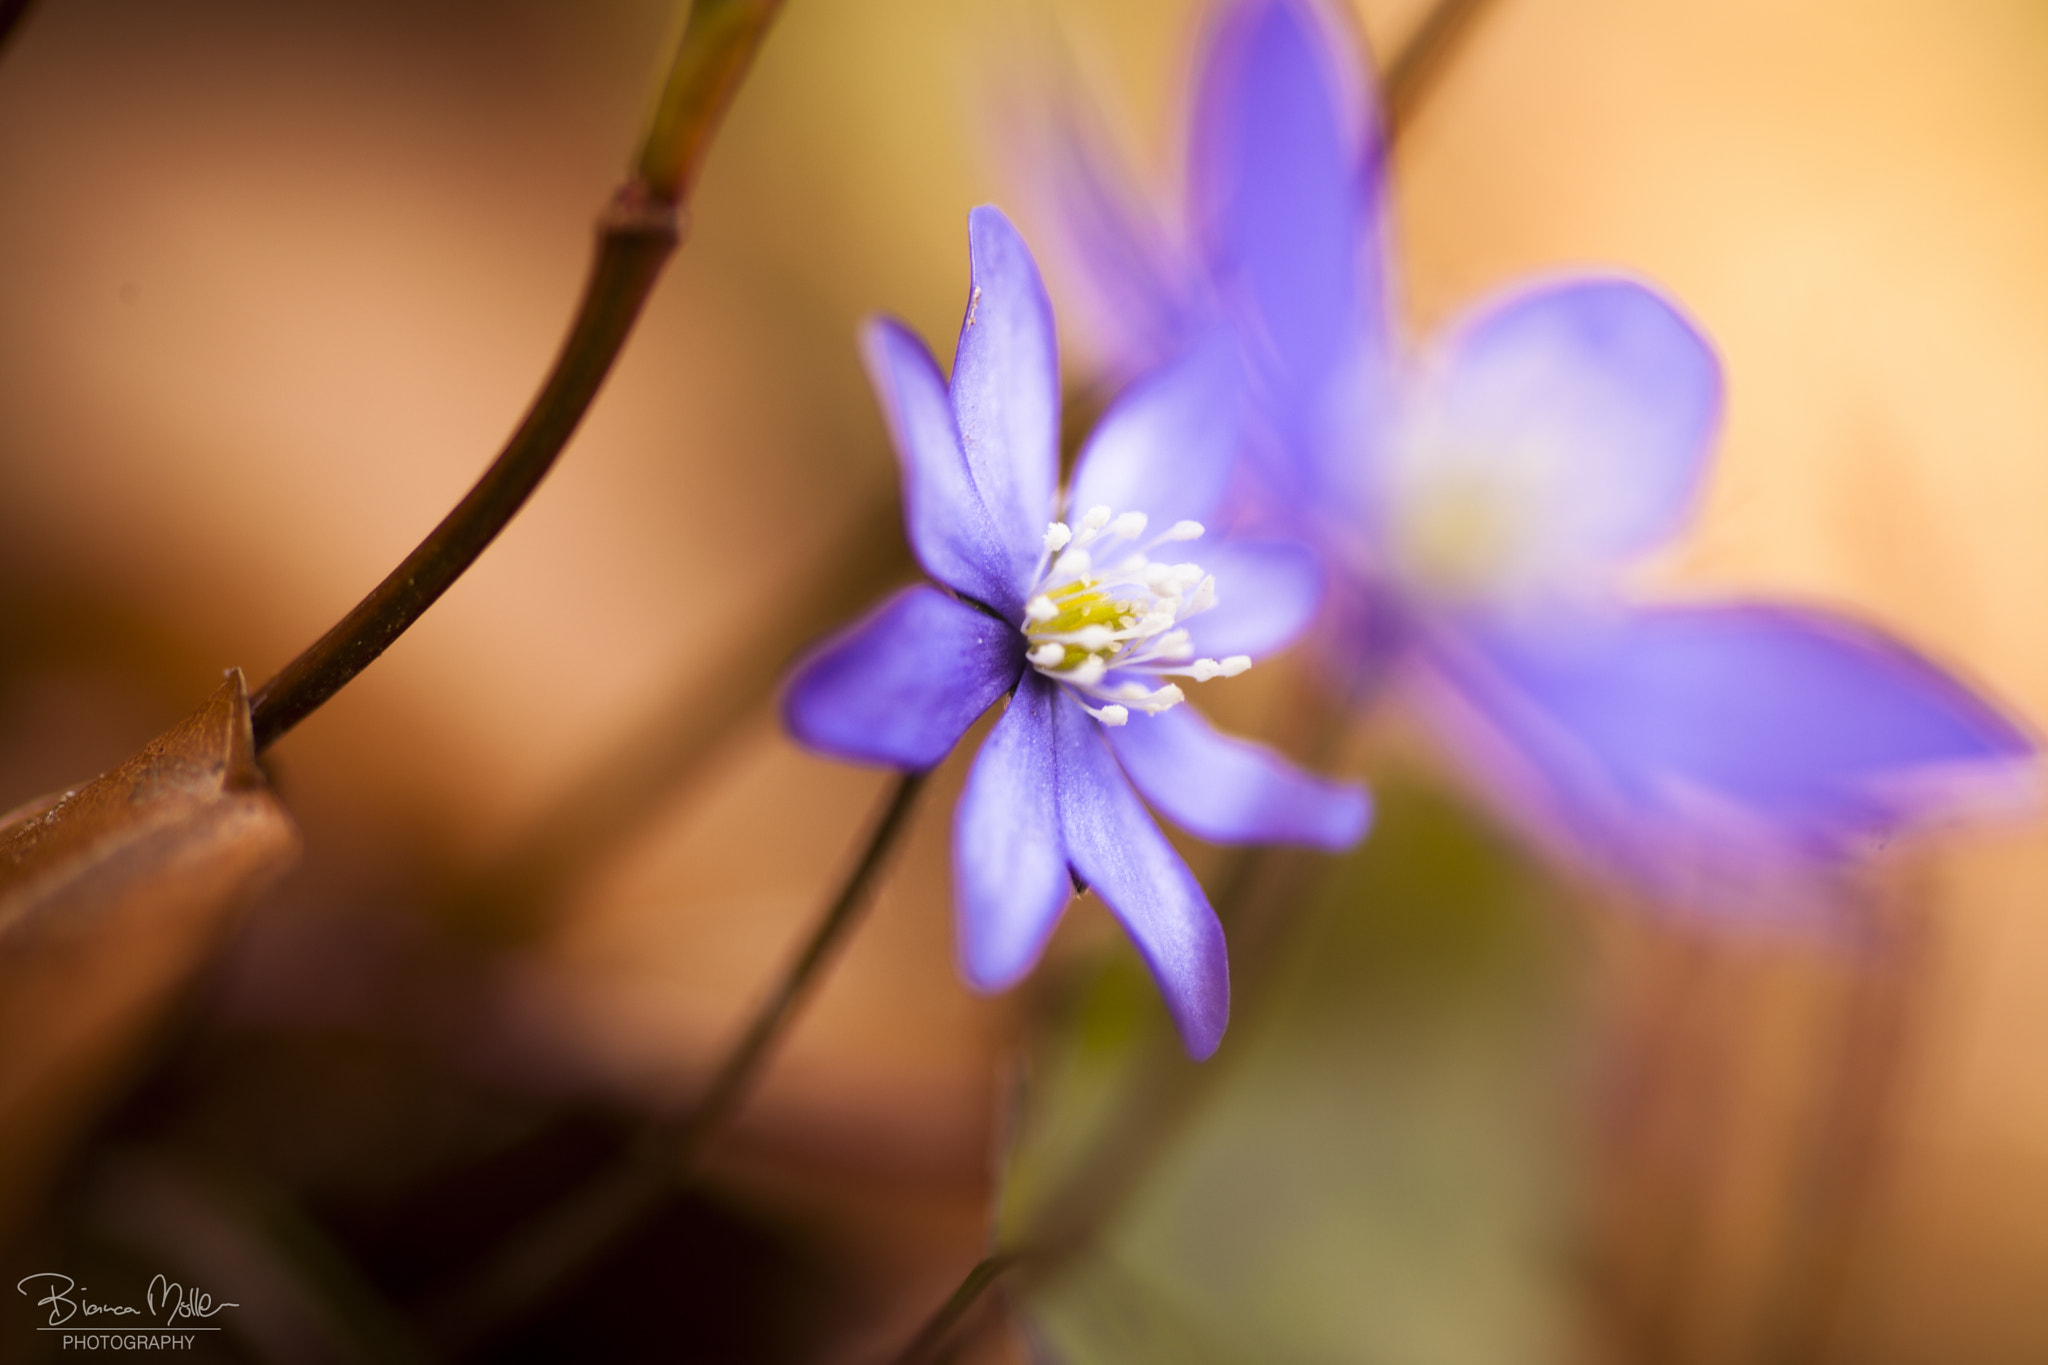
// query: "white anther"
[[1072, 564], [1165, 699], [1132, 613], [1129, 526], [1129, 569], [1204, 669], [1092, 638], [1154, 623]]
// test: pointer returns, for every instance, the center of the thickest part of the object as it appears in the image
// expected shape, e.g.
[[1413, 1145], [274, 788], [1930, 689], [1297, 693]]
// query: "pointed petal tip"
[[1005, 390], [988, 222]]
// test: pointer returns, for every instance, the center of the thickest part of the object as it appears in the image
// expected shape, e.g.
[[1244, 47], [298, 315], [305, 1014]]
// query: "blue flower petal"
[[1167, 444], [1006, 390], [1286, 197], [948, 525], [902, 685], [1267, 592], [1789, 728], [1115, 846], [1605, 396], [1231, 791], [1009, 860], [1144, 302]]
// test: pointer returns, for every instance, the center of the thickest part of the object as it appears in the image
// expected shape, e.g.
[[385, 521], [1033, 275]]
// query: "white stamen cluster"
[[1103, 606]]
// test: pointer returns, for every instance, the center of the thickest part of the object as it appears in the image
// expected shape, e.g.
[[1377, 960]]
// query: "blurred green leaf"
[[1372, 1169]]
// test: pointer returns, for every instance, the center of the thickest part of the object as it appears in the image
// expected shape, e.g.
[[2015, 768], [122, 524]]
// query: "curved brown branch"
[[636, 235]]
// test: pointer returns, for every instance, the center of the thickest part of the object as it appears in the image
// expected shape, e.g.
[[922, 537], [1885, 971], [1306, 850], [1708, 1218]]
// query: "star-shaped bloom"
[[1478, 500], [1084, 607]]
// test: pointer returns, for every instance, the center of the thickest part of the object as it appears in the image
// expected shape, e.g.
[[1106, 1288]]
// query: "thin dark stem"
[[1412, 73], [925, 1345], [743, 1064], [636, 236], [565, 1239], [634, 243]]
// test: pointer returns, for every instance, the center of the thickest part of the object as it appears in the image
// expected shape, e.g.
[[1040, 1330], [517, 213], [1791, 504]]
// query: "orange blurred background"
[[276, 281]]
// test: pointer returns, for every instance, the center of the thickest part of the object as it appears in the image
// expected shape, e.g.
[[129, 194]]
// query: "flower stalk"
[[1151, 1115], [637, 233], [550, 1251]]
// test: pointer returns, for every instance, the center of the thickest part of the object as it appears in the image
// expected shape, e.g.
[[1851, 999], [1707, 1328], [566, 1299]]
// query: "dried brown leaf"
[[112, 897]]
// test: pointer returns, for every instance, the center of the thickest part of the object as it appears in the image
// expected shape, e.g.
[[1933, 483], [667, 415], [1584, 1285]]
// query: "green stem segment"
[[551, 1251], [926, 1345], [636, 236]]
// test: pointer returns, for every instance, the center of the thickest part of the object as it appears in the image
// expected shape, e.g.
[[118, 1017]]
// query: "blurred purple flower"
[[1477, 503], [1083, 625]]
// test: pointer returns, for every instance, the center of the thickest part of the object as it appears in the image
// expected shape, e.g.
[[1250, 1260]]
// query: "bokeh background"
[[275, 280]]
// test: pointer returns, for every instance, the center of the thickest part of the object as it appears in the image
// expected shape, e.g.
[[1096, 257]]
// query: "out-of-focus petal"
[[1009, 859], [1006, 388], [1115, 846], [1791, 731], [1267, 592], [902, 685], [1231, 791], [1285, 184], [1167, 444], [948, 523], [1140, 297], [1596, 402]]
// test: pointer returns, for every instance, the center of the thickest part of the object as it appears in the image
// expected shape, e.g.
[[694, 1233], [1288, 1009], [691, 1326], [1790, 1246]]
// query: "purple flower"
[[1477, 502], [1083, 621]]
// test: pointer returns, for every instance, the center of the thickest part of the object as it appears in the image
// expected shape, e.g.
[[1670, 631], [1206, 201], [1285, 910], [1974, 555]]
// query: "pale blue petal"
[[1231, 791], [1009, 860], [1118, 850], [902, 685], [1006, 389], [1603, 397], [1796, 727], [1141, 298], [948, 525], [1286, 188], [1167, 444], [1267, 592]]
